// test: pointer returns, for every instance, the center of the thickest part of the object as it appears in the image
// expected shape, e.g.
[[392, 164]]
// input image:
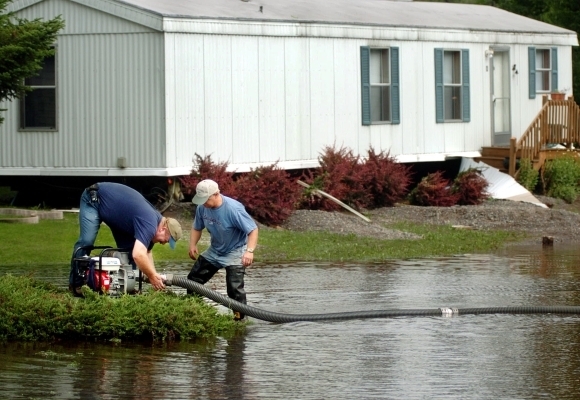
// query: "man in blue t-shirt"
[[234, 236], [134, 222]]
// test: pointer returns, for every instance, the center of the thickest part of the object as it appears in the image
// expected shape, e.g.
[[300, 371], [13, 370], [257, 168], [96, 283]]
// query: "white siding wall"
[[298, 130], [271, 86], [268, 99]]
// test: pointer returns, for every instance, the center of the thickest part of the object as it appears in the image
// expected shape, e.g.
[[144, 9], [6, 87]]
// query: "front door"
[[500, 97]]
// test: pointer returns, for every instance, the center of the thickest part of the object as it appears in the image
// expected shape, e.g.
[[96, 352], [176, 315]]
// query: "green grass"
[[281, 246], [33, 311], [50, 242]]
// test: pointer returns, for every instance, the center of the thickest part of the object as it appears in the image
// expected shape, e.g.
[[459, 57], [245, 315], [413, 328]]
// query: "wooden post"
[[513, 153], [570, 125]]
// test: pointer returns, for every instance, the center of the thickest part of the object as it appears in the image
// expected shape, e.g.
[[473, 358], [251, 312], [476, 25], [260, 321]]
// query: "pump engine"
[[109, 272]]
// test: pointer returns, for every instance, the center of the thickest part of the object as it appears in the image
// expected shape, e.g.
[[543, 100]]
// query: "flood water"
[[460, 357]]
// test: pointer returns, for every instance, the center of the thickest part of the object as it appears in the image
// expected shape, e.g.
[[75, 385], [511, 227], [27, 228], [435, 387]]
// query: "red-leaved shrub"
[[268, 193], [470, 187], [340, 175], [386, 180], [205, 168], [433, 190]]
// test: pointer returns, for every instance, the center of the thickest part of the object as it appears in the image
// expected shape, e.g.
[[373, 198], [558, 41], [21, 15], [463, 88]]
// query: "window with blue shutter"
[[395, 91], [466, 94], [380, 83], [452, 86], [532, 72], [543, 70], [365, 55], [439, 115]]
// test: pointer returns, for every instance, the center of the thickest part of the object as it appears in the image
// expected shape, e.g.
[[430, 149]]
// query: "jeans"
[[89, 222]]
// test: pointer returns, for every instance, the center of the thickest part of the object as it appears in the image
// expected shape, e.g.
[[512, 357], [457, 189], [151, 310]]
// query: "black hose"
[[279, 317]]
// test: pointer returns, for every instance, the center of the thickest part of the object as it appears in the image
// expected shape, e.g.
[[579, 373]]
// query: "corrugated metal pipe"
[[269, 316]]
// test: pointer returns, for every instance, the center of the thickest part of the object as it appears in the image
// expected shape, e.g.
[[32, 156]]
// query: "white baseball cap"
[[204, 190]]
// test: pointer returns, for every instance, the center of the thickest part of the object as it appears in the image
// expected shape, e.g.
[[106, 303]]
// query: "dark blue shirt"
[[129, 215]]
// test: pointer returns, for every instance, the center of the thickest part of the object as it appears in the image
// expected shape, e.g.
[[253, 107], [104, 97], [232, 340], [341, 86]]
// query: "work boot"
[[238, 316]]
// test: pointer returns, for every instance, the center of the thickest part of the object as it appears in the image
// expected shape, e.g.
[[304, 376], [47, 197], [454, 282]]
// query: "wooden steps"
[[496, 157]]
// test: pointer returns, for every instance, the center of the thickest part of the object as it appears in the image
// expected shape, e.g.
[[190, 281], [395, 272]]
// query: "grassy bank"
[[34, 310], [50, 243]]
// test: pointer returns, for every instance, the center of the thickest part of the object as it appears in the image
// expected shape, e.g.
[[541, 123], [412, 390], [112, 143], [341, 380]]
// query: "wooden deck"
[[556, 125]]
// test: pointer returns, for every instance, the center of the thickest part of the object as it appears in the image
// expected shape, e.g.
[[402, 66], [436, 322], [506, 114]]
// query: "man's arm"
[[194, 237], [253, 239], [144, 260]]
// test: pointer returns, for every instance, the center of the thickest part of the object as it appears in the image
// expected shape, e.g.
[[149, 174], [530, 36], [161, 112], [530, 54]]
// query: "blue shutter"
[[365, 74], [532, 72], [439, 109], [395, 91], [466, 96], [554, 69]]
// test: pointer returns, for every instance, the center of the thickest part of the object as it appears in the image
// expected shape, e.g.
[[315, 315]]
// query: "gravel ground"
[[560, 220]]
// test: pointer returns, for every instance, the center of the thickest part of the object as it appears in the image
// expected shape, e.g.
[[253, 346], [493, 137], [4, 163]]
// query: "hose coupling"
[[448, 312]]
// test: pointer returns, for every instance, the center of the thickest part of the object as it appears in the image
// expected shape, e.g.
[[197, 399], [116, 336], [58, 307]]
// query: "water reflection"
[[472, 356]]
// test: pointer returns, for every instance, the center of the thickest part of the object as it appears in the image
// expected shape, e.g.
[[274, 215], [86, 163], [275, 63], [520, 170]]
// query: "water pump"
[[110, 272]]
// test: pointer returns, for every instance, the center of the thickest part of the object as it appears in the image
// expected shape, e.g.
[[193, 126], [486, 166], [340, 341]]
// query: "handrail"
[[557, 122]]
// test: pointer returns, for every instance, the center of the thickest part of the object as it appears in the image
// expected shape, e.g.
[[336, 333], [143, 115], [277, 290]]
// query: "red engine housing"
[[100, 281]]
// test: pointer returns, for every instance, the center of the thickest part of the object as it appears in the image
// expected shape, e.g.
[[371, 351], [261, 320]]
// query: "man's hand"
[[193, 253], [247, 258], [193, 239], [156, 281]]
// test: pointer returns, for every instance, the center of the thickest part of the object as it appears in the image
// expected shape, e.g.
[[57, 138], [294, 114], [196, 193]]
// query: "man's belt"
[[93, 192]]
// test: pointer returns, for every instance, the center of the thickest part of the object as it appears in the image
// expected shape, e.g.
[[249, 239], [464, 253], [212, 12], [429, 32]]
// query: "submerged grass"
[[35, 310]]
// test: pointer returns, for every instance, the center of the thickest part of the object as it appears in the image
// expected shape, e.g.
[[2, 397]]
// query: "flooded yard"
[[467, 356]]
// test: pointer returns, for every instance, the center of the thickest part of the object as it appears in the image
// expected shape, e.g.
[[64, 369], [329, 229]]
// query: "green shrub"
[[34, 310], [527, 176], [6, 195], [560, 178]]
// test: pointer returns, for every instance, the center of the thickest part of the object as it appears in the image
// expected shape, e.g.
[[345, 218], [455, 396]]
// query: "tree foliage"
[[24, 45]]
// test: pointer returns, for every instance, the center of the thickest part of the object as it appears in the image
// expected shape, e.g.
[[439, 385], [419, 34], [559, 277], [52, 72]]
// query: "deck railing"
[[558, 122]]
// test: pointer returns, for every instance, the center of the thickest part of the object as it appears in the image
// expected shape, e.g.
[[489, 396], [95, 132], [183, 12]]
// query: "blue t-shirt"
[[229, 225], [129, 215]]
